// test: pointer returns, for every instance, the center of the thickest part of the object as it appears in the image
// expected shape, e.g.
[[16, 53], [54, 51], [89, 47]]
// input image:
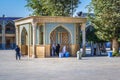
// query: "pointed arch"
[[24, 36], [10, 27], [9, 22], [61, 35], [24, 41], [60, 25]]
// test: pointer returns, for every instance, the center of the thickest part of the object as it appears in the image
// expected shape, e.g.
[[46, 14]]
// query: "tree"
[[107, 20], [52, 7], [91, 33], [93, 39]]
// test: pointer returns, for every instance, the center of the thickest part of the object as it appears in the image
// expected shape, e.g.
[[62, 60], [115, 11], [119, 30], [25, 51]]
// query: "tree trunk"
[[111, 45], [84, 50], [115, 45], [92, 49]]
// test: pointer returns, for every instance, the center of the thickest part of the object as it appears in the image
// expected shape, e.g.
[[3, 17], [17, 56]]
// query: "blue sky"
[[16, 8]]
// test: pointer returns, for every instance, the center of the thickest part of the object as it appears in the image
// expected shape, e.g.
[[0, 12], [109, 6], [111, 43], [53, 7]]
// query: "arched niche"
[[24, 42], [62, 36], [10, 28]]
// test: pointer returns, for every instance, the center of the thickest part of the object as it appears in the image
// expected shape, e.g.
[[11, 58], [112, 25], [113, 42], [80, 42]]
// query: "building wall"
[[7, 37], [26, 48], [43, 50], [0, 42]]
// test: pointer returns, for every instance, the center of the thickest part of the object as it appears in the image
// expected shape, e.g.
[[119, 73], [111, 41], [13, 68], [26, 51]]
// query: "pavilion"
[[36, 34]]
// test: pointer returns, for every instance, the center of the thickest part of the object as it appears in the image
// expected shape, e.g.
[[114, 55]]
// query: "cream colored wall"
[[40, 51], [47, 50], [31, 51]]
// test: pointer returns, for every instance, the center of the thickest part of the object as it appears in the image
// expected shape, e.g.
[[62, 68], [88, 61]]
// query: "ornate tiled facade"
[[7, 32], [36, 34]]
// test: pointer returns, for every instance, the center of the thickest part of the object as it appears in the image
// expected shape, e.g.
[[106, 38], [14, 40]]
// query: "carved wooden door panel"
[[64, 38], [53, 37]]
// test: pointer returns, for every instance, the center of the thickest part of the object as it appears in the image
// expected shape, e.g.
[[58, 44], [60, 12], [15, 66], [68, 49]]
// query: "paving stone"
[[89, 68]]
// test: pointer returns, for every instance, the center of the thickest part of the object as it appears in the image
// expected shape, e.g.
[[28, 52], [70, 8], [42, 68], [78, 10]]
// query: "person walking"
[[18, 55]]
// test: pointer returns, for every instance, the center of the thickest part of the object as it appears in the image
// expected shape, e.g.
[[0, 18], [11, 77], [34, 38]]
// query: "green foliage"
[[107, 18], [52, 7], [92, 36], [116, 54]]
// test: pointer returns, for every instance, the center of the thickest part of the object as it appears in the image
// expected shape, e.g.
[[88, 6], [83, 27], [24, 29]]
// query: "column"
[[34, 40], [29, 41], [83, 39], [3, 35], [17, 35], [38, 36]]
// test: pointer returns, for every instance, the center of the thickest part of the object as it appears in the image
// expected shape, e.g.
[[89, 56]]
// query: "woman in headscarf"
[[64, 49], [53, 49]]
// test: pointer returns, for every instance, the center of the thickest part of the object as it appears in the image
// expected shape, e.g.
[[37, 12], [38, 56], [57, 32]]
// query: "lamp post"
[[3, 33]]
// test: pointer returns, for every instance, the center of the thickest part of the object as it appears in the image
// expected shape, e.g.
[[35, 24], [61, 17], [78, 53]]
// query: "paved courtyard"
[[89, 68]]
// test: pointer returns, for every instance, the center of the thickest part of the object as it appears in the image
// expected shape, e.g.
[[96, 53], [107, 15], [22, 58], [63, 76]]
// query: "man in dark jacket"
[[17, 49], [58, 49]]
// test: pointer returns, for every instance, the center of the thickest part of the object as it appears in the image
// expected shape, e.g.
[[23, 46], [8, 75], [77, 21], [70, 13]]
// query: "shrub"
[[116, 54]]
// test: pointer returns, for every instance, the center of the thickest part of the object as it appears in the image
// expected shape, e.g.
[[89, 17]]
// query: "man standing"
[[58, 49], [17, 49]]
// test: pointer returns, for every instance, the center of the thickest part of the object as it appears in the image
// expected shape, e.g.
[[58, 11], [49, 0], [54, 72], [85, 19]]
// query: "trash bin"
[[79, 55], [109, 54], [67, 54]]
